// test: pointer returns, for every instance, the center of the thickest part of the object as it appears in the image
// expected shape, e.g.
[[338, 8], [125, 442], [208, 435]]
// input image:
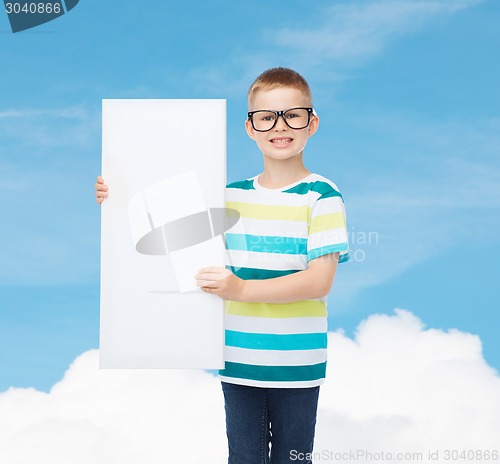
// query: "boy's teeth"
[[281, 140]]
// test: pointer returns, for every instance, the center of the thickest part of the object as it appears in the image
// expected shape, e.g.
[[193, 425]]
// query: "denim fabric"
[[256, 417]]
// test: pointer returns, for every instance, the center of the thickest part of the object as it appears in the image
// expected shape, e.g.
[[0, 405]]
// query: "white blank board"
[[163, 160]]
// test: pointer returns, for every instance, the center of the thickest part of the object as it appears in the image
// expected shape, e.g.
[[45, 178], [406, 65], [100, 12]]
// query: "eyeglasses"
[[295, 118]]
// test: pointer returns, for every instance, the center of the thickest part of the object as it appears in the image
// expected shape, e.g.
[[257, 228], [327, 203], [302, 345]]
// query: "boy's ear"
[[313, 125], [250, 130]]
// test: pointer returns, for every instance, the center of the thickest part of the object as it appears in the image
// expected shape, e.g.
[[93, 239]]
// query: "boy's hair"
[[280, 77]]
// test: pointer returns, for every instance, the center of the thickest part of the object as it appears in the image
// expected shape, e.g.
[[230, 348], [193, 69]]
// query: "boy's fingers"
[[100, 186], [216, 269], [209, 290], [207, 276], [206, 283], [101, 190]]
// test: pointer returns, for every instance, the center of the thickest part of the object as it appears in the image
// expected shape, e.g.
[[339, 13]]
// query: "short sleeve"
[[327, 231]]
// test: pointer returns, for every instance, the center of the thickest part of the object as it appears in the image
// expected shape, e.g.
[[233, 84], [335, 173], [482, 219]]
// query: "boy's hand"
[[101, 190], [221, 282]]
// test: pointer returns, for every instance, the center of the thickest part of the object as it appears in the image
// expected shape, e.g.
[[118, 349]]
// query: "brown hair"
[[280, 77]]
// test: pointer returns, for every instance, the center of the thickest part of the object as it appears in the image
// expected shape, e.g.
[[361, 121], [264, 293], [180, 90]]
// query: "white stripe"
[[327, 237], [272, 261], [278, 325], [263, 384], [259, 197], [296, 229], [274, 357], [328, 206]]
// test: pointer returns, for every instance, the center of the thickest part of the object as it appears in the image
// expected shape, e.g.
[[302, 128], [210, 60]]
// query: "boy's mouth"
[[281, 140]]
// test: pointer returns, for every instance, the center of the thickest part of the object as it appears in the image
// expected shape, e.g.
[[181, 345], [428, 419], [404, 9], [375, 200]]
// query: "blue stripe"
[[249, 273], [344, 257], [325, 250], [267, 244], [242, 184], [274, 373], [258, 341], [330, 194], [318, 186]]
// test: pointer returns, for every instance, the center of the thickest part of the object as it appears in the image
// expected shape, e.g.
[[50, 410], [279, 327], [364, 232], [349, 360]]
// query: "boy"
[[283, 252]]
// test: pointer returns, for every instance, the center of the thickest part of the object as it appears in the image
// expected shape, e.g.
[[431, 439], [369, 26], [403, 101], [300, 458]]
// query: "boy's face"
[[281, 142]]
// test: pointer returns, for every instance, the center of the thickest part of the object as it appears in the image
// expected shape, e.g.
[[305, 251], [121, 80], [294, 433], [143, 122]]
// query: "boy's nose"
[[280, 123]]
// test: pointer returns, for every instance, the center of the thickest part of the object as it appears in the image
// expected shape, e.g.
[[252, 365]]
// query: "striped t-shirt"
[[278, 233]]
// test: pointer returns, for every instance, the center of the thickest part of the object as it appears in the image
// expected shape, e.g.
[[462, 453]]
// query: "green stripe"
[[273, 212], [250, 273], [326, 221], [267, 244], [274, 373], [325, 250], [242, 184], [323, 188], [260, 341], [302, 308]]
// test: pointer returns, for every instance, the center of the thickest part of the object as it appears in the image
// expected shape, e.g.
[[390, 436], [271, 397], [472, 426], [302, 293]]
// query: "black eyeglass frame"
[[310, 112]]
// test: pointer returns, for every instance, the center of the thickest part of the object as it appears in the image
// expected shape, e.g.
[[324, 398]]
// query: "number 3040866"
[[33, 8]]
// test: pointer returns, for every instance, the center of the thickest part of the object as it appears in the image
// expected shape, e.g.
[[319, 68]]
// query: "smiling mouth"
[[281, 141]]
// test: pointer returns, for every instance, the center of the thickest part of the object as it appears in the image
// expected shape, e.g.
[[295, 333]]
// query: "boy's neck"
[[280, 173]]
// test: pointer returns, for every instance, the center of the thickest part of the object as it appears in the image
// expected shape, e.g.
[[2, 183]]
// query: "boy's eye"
[[266, 116], [292, 115]]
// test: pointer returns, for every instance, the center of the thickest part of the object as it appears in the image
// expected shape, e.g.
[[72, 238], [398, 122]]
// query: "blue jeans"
[[282, 417]]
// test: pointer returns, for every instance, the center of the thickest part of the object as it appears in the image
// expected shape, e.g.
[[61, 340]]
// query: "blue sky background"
[[407, 92]]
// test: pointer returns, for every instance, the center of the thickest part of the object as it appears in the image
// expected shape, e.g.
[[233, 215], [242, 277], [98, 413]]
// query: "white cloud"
[[47, 128], [425, 388], [396, 387], [339, 38], [66, 113], [125, 416], [352, 32]]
